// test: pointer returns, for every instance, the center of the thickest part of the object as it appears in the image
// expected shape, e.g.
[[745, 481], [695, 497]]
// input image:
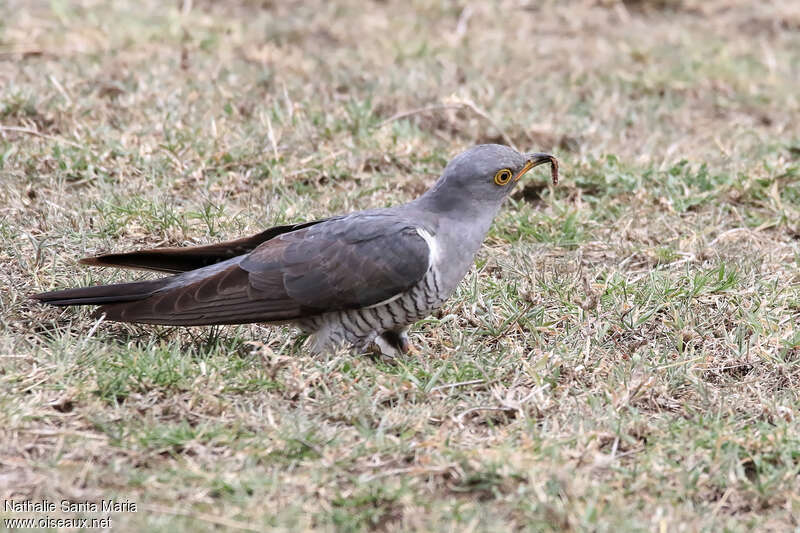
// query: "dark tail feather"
[[174, 260], [169, 260], [102, 294]]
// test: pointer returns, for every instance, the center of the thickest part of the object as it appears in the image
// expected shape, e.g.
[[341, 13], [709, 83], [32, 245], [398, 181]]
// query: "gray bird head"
[[483, 176]]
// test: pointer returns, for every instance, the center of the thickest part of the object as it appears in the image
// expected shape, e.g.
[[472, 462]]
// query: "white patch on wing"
[[433, 246], [433, 258]]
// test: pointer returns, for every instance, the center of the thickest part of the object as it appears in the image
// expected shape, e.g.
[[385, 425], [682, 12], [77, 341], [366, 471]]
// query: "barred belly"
[[359, 327]]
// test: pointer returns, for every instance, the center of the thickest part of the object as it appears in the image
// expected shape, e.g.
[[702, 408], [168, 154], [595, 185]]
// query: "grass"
[[623, 356]]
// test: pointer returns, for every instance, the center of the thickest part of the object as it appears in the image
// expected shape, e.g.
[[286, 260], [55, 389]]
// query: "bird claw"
[[392, 344]]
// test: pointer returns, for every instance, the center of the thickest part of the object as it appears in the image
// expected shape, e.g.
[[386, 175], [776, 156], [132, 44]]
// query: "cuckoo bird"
[[359, 279]]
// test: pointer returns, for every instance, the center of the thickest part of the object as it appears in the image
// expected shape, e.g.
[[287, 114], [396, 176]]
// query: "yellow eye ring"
[[502, 177]]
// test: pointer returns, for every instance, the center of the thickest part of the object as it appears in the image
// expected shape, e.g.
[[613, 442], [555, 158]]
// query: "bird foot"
[[393, 344]]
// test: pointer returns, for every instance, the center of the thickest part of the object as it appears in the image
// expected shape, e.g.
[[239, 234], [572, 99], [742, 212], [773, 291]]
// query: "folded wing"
[[341, 263]]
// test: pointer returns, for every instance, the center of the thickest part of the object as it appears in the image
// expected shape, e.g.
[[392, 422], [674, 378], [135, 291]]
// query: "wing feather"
[[343, 263], [184, 259]]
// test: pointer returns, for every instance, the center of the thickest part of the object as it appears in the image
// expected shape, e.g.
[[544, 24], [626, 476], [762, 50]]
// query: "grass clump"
[[623, 356]]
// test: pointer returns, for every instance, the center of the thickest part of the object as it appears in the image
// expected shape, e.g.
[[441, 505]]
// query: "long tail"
[[206, 288], [103, 294], [175, 260]]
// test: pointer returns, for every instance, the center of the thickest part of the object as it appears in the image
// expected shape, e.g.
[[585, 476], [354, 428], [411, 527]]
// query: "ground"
[[622, 357]]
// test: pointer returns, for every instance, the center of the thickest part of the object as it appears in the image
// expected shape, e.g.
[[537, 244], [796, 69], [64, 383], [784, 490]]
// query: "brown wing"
[[343, 263]]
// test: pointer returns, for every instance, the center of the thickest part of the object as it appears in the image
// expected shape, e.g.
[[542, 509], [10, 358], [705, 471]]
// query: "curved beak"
[[536, 159]]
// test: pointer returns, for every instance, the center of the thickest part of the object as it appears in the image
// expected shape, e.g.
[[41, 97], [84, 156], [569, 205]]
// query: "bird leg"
[[393, 343]]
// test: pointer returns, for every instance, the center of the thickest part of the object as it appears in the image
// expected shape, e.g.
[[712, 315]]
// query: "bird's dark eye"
[[502, 177]]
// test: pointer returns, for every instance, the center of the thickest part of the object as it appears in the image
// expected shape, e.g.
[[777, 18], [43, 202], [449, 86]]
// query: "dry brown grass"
[[623, 357]]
